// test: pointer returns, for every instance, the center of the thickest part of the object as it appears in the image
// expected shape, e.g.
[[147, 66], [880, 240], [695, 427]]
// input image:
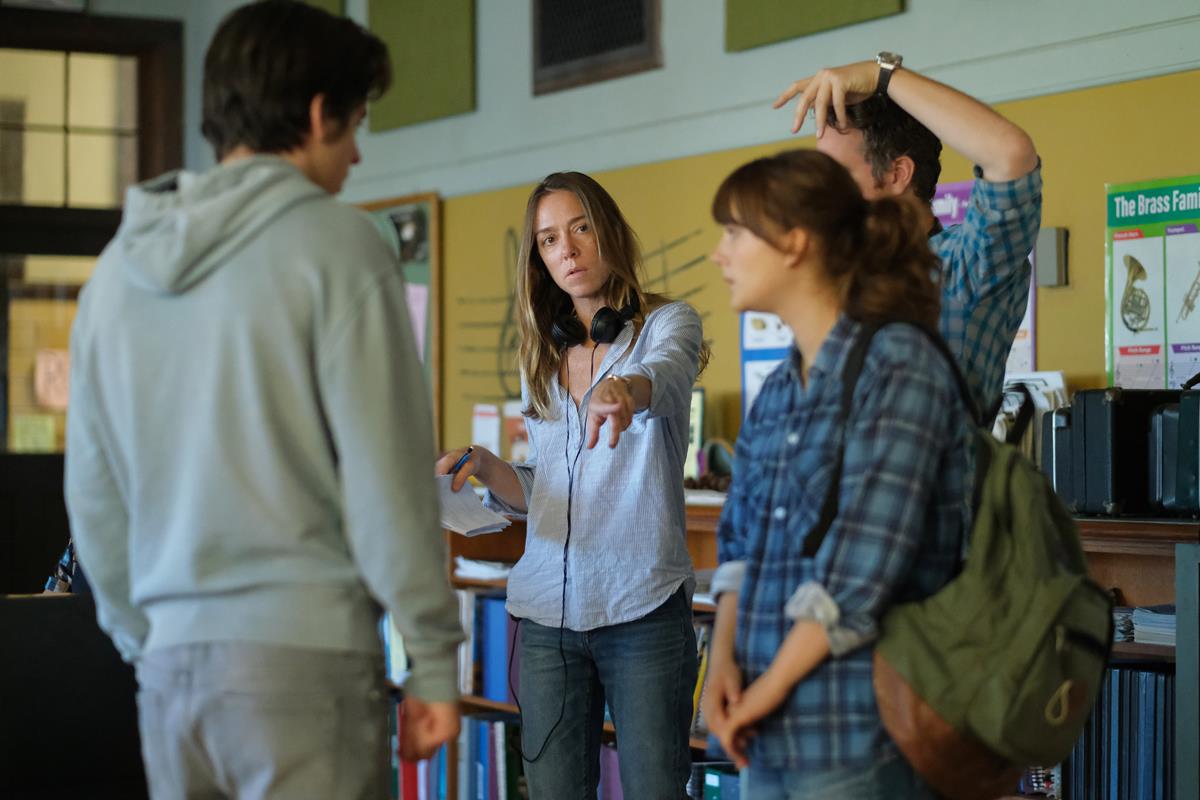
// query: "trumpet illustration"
[[1189, 302], [1135, 303]]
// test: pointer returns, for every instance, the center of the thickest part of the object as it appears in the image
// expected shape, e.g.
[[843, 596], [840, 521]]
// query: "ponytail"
[[875, 252], [892, 274]]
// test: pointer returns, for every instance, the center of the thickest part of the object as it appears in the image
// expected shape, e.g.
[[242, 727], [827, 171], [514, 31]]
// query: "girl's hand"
[[722, 692], [470, 467]]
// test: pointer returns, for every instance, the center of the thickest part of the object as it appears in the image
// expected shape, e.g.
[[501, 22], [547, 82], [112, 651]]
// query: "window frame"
[[157, 44]]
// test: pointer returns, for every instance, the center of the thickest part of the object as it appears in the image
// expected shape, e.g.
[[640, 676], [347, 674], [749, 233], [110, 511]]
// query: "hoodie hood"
[[178, 228]]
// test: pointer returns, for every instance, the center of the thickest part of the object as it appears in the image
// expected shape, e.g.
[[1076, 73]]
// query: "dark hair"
[[269, 59], [890, 132], [874, 252]]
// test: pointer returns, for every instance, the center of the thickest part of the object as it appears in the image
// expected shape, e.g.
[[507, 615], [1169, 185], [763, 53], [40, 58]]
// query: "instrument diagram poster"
[[761, 331], [1153, 283], [1137, 315], [765, 342], [1182, 249]]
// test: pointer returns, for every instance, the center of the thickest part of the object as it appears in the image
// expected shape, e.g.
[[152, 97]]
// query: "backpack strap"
[[1024, 416], [851, 371]]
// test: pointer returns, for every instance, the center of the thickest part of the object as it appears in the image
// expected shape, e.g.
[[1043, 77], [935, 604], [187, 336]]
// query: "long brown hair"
[[875, 252], [540, 300]]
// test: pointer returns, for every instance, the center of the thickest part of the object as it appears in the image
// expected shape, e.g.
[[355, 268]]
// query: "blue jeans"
[[889, 779], [645, 669]]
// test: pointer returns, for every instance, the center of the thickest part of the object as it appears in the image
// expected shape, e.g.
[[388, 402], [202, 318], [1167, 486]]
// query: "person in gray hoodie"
[[249, 438]]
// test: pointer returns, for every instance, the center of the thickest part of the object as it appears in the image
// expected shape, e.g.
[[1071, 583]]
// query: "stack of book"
[[1122, 624], [1154, 625]]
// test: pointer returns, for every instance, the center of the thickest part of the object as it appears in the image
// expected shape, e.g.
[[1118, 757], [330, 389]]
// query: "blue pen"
[[458, 464]]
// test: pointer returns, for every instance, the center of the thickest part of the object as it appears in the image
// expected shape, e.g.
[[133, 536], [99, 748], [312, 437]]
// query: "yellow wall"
[[1124, 132]]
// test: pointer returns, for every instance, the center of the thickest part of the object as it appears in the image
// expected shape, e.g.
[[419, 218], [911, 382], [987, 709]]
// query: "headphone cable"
[[562, 621]]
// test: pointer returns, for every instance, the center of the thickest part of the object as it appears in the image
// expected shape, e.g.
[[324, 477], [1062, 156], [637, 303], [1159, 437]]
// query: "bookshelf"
[[1151, 562], [1148, 561], [509, 544]]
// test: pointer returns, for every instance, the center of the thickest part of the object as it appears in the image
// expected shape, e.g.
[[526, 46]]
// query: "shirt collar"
[[831, 352]]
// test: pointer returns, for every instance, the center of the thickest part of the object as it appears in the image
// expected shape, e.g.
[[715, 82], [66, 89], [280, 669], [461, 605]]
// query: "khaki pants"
[[251, 721]]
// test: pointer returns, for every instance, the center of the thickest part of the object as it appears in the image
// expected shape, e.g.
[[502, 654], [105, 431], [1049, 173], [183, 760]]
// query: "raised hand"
[[833, 87]]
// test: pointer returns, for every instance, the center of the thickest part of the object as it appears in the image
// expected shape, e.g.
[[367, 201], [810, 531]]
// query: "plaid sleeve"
[[993, 242], [737, 514], [731, 529], [895, 442]]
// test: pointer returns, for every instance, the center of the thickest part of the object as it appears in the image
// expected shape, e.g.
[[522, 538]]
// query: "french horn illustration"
[[1135, 303]]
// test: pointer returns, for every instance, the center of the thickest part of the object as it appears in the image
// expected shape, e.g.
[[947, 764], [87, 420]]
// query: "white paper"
[[462, 511], [485, 426], [475, 569], [754, 375], [762, 331], [418, 304], [1138, 310]]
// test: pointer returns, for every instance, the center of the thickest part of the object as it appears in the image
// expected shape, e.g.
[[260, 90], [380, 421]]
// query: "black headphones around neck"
[[568, 331]]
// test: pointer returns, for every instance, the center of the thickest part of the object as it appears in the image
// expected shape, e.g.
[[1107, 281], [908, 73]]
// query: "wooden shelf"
[[1144, 537], [473, 704], [1137, 651], [478, 583]]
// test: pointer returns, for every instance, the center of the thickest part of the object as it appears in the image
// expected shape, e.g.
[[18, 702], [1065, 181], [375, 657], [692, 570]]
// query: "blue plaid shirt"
[[902, 509], [986, 275]]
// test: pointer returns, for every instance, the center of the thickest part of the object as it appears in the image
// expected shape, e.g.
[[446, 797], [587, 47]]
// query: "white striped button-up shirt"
[[628, 550]]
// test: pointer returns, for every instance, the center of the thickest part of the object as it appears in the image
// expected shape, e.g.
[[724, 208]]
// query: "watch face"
[[887, 59]]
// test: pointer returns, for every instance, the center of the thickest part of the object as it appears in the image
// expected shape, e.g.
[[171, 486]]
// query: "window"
[[88, 106], [584, 41], [68, 128]]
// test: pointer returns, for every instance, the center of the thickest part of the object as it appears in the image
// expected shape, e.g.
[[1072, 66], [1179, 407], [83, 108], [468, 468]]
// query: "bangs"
[[743, 198]]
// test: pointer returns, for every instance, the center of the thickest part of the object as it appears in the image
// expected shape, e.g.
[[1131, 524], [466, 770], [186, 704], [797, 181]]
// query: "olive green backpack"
[[999, 669]]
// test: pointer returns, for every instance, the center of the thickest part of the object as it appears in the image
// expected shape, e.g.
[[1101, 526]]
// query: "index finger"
[[796, 88], [593, 430], [614, 429], [803, 105]]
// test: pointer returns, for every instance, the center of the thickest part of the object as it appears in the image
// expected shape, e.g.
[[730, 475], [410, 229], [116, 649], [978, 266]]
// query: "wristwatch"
[[888, 63]]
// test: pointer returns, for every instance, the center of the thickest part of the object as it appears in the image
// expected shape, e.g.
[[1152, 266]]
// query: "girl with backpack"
[[789, 689]]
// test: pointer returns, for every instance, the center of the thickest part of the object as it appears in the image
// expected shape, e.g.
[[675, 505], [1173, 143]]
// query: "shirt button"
[[793, 438], [780, 512]]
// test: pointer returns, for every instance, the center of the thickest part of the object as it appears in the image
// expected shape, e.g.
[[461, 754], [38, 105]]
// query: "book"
[[494, 647], [463, 512], [466, 650]]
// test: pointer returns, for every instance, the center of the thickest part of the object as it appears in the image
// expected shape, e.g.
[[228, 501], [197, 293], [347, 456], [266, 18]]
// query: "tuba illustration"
[[1135, 303], [1189, 302]]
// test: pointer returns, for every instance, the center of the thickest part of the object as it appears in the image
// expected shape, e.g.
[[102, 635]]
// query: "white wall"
[[705, 99]]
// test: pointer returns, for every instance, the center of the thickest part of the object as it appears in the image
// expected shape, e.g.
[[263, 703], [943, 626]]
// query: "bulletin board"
[[432, 46], [411, 225], [752, 23], [335, 7]]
